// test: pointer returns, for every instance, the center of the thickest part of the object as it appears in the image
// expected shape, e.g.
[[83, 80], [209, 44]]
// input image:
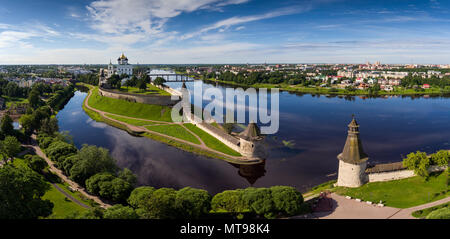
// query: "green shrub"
[[443, 213]]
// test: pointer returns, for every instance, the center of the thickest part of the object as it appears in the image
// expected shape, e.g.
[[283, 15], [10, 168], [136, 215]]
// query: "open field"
[[210, 141], [131, 109], [402, 193]]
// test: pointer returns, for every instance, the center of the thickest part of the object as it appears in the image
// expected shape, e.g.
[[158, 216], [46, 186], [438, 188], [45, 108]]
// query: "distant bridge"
[[171, 77]]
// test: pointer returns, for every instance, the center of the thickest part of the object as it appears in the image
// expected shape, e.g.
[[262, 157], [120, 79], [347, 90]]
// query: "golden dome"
[[123, 56]]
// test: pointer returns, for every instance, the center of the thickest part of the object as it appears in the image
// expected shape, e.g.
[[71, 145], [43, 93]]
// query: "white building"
[[121, 68]]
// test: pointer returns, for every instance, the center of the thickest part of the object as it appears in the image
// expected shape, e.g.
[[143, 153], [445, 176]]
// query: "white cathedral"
[[121, 68]]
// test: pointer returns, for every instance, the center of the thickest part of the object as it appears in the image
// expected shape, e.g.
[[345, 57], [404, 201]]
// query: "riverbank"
[[137, 127], [334, 91]]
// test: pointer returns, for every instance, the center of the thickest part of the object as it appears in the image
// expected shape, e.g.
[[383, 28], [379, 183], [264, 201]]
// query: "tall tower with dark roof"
[[352, 160], [251, 142]]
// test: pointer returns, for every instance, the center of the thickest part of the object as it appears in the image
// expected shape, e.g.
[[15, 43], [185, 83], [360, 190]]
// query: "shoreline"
[[174, 143], [325, 91]]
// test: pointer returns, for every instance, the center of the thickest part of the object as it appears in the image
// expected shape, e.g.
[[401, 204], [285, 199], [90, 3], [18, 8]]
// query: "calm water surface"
[[315, 126]]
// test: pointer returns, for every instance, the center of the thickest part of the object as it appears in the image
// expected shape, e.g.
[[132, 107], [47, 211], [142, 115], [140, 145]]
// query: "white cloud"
[[149, 16], [226, 23], [19, 36]]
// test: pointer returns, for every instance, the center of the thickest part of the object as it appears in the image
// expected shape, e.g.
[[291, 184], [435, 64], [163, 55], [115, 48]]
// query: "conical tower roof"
[[251, 132], [353, 151]]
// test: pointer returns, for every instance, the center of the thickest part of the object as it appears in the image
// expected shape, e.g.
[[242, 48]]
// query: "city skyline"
[[224, 31]]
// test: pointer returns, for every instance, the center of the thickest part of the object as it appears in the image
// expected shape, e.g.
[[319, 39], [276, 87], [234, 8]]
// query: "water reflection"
[[303, 152]]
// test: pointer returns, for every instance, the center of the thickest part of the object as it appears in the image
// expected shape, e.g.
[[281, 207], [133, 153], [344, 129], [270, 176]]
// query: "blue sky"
[[224, 31]]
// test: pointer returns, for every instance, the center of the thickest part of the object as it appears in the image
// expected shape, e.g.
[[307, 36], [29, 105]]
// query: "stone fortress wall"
[[399, 174], [164, 100], [175, 97]]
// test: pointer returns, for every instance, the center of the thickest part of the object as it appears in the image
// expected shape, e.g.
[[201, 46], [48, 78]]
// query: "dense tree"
[[128, 176], [119, 211], [159, 81], [36, 163], [139, 199], [93, 183], [108, 186], [440, 158], [34, 99], [141, 84], [68, 163], [287, 200], [57, 151], [419, 162], [49, 126], [161, 204], [114, 81], [230, 201], [9, 147], [92, 160], [259, 201], [6, 126], [192, 203], [21, 190], [26, 121]]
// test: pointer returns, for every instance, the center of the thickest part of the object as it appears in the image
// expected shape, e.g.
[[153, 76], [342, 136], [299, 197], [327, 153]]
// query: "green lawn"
[[423, 213], [151, 90], [62, 205], [211, 142], [131, 109], [174, 131], [131, 121], [402, 193]]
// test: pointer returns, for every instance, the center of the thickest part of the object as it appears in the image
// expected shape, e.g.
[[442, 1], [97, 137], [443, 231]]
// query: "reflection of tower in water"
[[251, 172]]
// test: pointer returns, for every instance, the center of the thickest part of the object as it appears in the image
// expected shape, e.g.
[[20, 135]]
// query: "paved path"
[[70, 196], [344, 208], [134, 128], [406, 213], [60, 174]]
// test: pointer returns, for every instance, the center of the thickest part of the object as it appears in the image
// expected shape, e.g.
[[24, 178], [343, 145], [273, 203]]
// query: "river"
[[314, 126]]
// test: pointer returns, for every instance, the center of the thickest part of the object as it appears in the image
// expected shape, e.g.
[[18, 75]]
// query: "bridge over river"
[[171, 77]]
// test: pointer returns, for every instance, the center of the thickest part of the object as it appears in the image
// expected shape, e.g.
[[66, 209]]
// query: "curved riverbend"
[[302, 154]]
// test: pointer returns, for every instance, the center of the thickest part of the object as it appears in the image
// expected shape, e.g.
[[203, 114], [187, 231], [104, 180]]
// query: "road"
[[344, 208]]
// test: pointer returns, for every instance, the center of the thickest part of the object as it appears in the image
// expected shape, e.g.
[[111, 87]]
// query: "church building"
[[122, 67]]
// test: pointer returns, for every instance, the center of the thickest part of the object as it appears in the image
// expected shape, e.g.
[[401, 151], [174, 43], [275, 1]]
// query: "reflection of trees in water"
[[251, 172]]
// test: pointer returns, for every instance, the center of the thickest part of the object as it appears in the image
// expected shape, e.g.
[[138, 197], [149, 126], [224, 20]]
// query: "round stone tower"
[[352, 160], [251, 142]]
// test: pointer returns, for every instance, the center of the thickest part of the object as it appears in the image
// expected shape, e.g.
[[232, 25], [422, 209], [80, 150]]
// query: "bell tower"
[[352, 160]]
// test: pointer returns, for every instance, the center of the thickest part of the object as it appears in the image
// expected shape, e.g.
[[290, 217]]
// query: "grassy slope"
[[174, 131], [210, 141], [423, 213], [131, 109], [402, 193], [131, 121]]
